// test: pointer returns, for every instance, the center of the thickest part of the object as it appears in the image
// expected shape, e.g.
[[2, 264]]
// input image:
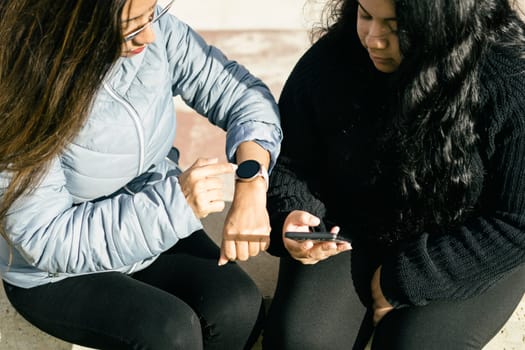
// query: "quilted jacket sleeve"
[[220, 89], [54, 235]]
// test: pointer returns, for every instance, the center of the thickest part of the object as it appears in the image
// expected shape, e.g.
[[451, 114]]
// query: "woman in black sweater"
[[404, 131]]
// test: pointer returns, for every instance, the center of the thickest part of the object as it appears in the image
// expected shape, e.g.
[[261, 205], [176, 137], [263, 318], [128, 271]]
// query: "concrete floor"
[[269, 55]]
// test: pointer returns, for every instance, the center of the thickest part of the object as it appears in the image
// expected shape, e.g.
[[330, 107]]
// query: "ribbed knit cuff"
[[391, 284]]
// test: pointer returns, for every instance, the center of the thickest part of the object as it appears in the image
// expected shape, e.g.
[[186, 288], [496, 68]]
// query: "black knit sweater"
[[331, 118]]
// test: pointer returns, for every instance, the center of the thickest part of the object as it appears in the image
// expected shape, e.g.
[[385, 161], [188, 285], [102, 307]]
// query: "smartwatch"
[[249, 170]]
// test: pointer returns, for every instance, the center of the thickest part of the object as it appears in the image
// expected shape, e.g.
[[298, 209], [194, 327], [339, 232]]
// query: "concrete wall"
[[248, 14], [253, 14]]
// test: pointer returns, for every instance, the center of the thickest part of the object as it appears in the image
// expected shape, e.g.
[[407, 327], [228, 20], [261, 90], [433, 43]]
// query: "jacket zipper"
[[135, 117]]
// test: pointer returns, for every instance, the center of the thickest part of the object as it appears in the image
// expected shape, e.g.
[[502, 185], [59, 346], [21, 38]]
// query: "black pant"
[[316, 307], [182, 301]]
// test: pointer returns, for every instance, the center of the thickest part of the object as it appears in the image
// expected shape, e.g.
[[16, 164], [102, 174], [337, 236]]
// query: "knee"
[[233, 318], [275, 337], [168, 327], [239, 302], [285, 333]]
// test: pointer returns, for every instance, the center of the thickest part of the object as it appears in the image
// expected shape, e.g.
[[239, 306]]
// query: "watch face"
[[248, 169]]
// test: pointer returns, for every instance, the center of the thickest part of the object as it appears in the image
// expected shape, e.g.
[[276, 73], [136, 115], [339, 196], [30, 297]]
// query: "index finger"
[[215, 169], [228, 252]]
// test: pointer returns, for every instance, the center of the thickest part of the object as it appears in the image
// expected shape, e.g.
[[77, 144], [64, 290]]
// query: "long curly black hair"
[[438, 105]]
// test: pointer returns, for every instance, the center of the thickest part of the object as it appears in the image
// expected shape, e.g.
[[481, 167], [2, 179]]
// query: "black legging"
[[316, 307], [182, 301]]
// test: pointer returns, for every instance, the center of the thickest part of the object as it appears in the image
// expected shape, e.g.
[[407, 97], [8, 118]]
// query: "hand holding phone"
[[317, 236]]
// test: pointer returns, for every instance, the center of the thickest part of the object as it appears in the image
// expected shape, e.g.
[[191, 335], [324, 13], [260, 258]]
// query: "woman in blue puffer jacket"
[[102, 243]]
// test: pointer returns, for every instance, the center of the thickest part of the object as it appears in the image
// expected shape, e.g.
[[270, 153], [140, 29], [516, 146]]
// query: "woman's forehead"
[[381, 9]]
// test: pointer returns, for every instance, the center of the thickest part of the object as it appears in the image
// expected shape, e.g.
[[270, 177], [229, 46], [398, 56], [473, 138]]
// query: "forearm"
[[252, 150], [247, 227]]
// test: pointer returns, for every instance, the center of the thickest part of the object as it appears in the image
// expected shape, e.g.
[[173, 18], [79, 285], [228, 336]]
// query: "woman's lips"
[[381, 60], [137, 51]]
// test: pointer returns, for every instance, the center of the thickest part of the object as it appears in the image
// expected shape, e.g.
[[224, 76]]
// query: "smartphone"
[[316, 236]]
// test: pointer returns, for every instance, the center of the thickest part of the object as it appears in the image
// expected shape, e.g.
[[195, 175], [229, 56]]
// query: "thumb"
[[313, 220], [308, 219], [299, 218]]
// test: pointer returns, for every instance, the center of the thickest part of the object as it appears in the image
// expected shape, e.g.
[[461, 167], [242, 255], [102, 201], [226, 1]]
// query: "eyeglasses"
[[136, 32]]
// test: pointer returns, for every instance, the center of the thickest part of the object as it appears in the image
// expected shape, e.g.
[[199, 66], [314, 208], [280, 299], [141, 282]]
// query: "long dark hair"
[[53, 57], [434, 128]]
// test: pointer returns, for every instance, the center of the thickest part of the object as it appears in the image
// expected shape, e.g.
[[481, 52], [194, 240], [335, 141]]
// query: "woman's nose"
[[147, 36], [377, 36], [375, 42]]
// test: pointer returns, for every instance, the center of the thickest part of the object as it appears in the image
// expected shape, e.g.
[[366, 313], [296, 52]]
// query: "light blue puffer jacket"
[[111, 202]]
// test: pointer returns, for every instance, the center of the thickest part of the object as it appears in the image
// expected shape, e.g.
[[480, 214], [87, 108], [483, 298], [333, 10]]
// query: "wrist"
[[252, 172], [253, 191]]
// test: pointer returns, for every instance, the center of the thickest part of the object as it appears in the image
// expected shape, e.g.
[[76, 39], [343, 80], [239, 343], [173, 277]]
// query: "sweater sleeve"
[[470, 259], [294, 179]]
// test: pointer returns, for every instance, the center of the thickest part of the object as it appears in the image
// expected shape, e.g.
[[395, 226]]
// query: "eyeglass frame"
[[136, 32]]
